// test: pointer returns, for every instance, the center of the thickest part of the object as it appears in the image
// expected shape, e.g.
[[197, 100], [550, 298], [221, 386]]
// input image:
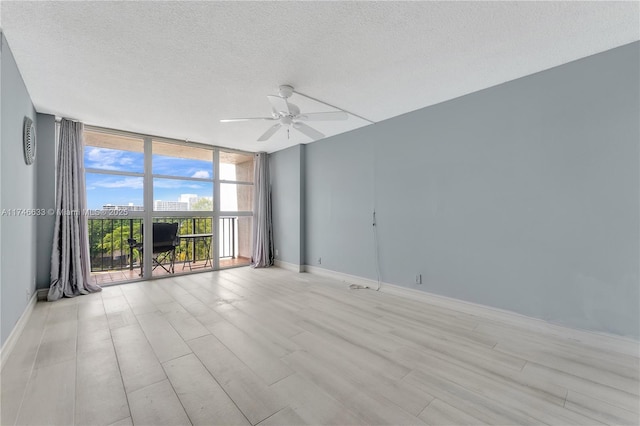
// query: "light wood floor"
[[272, 347]]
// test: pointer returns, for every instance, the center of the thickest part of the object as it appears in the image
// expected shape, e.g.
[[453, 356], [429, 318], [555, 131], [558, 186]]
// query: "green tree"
[[197, 225], [109, 237], [203, 204]]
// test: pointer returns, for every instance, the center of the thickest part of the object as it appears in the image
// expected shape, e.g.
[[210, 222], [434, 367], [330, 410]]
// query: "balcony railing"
[[110, 250]]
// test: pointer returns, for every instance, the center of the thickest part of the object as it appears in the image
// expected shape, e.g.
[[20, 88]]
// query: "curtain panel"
[[70, 267], [262, 226]]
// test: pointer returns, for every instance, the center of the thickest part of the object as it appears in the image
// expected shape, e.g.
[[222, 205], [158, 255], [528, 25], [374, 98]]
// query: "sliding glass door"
[[196, 200], [183, 190]]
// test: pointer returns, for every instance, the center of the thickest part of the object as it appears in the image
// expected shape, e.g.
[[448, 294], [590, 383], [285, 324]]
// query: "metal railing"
[[227, 229], [109, 247], [108, 243]]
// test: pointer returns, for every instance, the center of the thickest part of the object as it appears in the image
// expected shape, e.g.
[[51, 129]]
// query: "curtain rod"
[[59, 119]]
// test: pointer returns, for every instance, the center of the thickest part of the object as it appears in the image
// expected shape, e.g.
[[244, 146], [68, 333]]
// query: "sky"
[[105, 189]]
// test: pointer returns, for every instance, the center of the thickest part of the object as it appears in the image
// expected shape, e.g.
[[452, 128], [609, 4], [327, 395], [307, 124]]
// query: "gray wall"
[[45, 196], [524, 196], [287, 179], [18, 260], [340, 202]]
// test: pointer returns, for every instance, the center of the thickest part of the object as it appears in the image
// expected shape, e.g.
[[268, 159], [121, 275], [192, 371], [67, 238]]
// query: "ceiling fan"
[[288, 116]]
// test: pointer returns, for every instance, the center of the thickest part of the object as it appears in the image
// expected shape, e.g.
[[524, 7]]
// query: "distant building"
[[185, 203], [166, 206], [129, 207], [190, 199]]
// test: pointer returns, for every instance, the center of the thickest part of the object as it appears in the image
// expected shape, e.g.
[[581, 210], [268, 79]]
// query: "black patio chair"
[[165, 241]]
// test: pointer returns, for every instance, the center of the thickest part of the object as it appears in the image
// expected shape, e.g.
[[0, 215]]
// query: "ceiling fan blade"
[[279, 104], [309, 131], [324, 116], [233, 120], [270, 132]]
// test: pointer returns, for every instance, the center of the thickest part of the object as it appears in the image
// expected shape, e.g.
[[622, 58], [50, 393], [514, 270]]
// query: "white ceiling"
[[174, 68]]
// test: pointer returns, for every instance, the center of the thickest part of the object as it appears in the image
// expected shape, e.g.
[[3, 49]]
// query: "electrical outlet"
[[28, 295], [319, 261], [419, 279], [277, 252]]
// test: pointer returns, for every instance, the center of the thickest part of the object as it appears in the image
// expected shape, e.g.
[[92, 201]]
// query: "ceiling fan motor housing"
[[285, 91]]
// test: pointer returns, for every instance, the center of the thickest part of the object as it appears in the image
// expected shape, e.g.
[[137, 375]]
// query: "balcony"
[[113, 260]]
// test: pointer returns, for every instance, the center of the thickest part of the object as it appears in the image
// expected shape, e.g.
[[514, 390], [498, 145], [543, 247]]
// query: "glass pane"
[[113, 255], [235, 241], [193, 248], [182, 161], [236, 197], [113, 152], [235, 166], [182, 195], [114, 192]]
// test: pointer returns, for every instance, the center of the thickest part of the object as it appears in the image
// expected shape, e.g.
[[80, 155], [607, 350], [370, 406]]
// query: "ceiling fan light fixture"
[[286, 120]]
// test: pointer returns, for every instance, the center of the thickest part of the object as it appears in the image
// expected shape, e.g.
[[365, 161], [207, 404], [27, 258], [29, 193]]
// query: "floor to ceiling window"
[[236, 208], [196, 199]]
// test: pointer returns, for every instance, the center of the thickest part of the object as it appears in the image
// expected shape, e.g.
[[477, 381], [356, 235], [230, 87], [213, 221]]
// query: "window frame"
[[149, 214]]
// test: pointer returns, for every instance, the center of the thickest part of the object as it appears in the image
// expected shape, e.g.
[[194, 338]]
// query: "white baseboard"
[[289, 266], [339, 276], [10, 343], [615, 342]]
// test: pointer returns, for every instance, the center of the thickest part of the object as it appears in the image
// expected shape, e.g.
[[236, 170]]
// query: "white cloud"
[[128, 182], [202, 174], [94, 154], [107, 159]]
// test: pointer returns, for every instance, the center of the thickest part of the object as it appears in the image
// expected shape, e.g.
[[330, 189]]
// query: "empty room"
[[320, 213]]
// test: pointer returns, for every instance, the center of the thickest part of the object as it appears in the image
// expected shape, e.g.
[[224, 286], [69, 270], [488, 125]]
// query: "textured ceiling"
[[176, 68]]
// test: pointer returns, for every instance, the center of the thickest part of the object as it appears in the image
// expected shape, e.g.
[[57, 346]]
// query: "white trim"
[[339, 276], [174, 177], [236, 182], [113, 172], [227, 213], [612, 342], [11, 341], [179, 214], [147, 237], [289, 266], [215, 221]]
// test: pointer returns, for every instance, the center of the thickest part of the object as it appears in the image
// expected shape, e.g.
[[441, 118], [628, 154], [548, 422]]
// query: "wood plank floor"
[[272, 347]]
